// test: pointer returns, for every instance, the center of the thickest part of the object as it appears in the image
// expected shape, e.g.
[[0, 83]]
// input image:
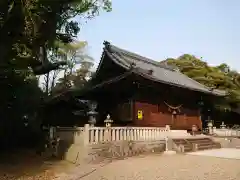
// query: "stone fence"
[[226, 132], [92, 142], [93, 135]]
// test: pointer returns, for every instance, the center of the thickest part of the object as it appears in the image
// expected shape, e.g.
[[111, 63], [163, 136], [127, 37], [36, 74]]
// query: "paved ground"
[[168, 167], [151, 167], [229, 153]]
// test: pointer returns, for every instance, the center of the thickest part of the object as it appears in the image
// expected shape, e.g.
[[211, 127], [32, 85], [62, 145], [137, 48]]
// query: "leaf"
[[11, 7]]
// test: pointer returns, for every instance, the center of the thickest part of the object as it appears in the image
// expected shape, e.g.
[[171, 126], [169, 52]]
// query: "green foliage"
[[28, 25], [29, 30], [217, 77], [78, 68]]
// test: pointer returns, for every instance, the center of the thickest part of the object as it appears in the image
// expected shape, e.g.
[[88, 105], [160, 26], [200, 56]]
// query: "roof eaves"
[[109, 81], [101, 61], [146, 75], [170, 83], [110, 50]]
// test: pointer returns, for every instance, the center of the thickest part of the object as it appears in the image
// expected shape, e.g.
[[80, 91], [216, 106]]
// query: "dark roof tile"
[[159, 72]]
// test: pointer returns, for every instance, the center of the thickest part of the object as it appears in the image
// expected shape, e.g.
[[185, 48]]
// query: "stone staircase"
[[194, 144]]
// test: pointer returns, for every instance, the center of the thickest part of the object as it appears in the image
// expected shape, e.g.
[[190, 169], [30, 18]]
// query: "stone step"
[[199, 139], [187, 150], [180, 141], [201, 146], [203, 143], [211, 146]]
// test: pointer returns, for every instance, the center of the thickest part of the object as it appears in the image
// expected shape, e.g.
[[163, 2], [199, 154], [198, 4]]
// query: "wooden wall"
[[158, 115]]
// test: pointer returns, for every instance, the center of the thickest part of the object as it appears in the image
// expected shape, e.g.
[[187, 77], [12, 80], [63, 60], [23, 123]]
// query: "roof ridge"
[[138, 57]]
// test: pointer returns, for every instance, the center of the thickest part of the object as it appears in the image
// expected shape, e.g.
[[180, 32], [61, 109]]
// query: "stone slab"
[[169, 152], [229, 153]]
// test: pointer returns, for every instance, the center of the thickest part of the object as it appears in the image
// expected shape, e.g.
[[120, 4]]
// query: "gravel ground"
[[168, 167]]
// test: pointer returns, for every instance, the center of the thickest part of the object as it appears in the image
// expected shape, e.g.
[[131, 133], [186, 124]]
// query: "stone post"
[[214, 129], [168, 147], [86, 135], [210, 127], [167, 127], [194, 146], [181, 148], [194, 130], [166, 141]]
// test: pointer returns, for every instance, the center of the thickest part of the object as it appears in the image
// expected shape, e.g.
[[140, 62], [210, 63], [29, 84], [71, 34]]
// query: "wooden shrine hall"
[[137, 91]]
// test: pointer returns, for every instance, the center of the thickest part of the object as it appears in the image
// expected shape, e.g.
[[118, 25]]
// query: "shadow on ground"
[[26, 163]]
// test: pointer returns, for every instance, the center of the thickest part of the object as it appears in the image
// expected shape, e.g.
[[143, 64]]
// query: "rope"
[[172, 107]]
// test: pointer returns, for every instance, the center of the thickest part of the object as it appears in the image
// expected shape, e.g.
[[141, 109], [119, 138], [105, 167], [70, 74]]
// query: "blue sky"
[[159, 29]]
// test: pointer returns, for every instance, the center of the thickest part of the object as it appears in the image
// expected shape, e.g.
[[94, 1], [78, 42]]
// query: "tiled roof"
[[158, 72]]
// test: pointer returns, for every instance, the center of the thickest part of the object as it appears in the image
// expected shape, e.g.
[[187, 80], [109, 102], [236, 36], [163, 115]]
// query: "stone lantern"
[[194, 129], [25, 117], [92, 113], [108, 121], [222, 126]]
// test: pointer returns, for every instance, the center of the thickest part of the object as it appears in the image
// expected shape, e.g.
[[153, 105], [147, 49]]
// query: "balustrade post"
[[125, 134], [86, 135], [167, 130], [117, 134], [166, 141], [96, 137], [135, 134], [101, 135], [113, 134], [168, 150]]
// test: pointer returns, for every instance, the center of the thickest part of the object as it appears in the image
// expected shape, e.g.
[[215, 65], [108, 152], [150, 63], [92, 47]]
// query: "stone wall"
[[228, 142], [78, 153], [123, 149], [79, 144]]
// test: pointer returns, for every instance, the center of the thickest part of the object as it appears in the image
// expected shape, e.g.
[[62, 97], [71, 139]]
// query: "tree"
[[76, 73], [29, 27], [50, 78], [28, 32], [216, 77]]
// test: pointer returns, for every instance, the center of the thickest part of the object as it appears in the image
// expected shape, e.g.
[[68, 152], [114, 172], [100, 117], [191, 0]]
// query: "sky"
[[160, 29]]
